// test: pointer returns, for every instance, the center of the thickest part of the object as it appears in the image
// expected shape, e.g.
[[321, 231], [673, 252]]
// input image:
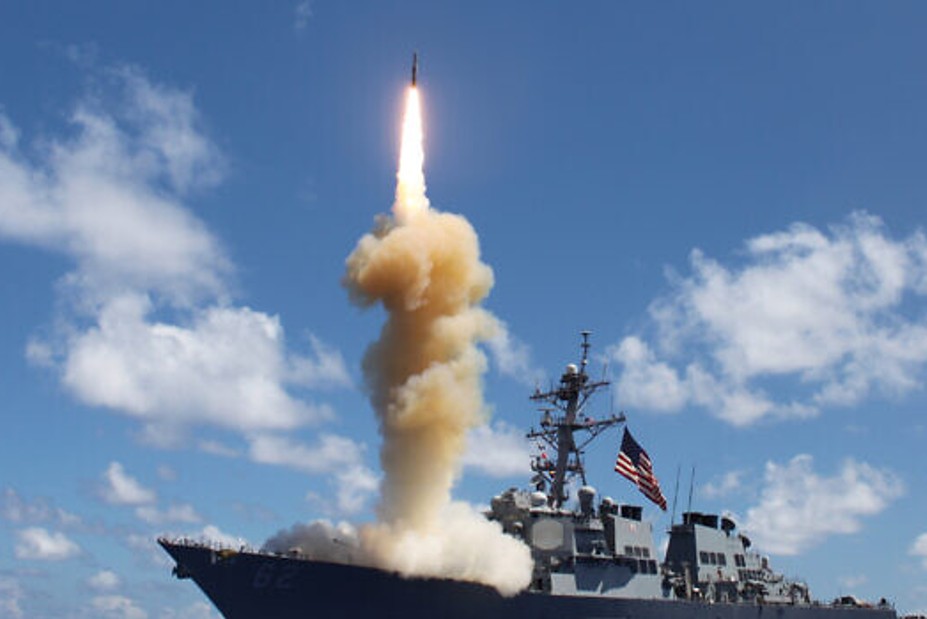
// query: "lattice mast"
[[562, 419]]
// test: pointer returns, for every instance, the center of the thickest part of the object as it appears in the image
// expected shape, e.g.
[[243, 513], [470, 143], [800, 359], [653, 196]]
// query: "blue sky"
[[730, 197]]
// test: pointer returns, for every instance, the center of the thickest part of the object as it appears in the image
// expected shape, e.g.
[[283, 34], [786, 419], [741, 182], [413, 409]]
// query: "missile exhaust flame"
[[410, 178]]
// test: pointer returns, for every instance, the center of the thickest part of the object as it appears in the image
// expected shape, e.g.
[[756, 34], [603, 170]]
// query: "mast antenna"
[[675, 495], [691, 486], [559, 431]]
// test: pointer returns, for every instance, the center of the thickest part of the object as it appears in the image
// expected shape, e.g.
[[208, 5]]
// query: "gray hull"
[[257, 586]]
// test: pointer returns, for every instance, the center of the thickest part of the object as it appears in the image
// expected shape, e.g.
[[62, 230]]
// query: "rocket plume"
[[410, 178], [425, 380]]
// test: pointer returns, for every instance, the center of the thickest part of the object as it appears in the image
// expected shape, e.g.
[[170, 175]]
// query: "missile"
[[414, 67]]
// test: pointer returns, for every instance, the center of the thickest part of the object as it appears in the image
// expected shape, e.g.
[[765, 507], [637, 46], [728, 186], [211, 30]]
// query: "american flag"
[[634, 463]]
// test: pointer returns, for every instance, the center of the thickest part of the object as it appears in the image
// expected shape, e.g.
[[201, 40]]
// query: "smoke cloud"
[[424, 374]]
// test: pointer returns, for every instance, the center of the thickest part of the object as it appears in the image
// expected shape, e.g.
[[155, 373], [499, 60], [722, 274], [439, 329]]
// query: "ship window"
[[713, 558], [653, 566], [629, 551], [638, 551], [703, 557], [722, 560], [646, 553], [740, 561], [633, 565]]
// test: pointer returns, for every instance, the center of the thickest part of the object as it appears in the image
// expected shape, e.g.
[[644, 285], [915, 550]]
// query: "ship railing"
[[211, 544]]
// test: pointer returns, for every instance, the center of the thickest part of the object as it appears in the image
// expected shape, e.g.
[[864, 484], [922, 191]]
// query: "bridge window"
[[722, 560], [703, 557]]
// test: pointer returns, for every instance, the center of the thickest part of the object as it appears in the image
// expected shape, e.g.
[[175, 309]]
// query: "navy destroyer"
[[593, 558]]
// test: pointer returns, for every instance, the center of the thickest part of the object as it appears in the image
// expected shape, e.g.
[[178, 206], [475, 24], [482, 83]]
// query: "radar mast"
[[559, 431]]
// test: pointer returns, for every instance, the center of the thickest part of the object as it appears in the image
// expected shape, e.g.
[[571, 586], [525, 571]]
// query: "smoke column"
[[424, 374]]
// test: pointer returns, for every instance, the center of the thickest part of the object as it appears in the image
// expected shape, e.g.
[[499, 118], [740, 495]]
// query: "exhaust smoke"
[[424, 374]]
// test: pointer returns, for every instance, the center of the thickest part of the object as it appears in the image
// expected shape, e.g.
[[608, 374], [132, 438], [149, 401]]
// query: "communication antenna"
[[675, 495], [691, 486]]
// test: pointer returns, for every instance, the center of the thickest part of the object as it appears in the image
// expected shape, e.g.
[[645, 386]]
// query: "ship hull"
[[248, 585]]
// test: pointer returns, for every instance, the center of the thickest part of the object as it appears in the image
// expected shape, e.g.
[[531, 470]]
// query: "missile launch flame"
[[410, 178], [425, 380]]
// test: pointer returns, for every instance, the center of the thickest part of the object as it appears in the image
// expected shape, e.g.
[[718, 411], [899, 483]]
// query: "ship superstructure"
[[593, 557]]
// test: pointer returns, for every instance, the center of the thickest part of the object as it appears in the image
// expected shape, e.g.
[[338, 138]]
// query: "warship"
[[592, 559]]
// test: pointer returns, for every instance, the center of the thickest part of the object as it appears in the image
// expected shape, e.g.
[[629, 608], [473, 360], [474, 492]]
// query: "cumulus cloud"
[[174, 513], [212, 533], [228, 368], [40, 544], [104, 580], [838, 312], [798, 508], [512, 357], [146, 323], [217, 448], [497, 450], [117, 607], [726, 485], [11, 593], [196, 610], [16, 509], [108, 199], [337, 456], [919, 548], [145, 549], [120, 488], [302, 14]]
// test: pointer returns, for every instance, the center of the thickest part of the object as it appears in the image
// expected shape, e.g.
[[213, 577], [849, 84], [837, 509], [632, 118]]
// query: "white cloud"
[[325, 369], [174, 513], [117, 607], [823, 309], [218, 449], [14, 508], [145, 547], [196, 610], [104, 580], [499, 450], [919, 548], [512, 357], [213, 534], [147, 327], [9, 135], [43, 545], [11, 594], [120, 488], [228, 368], [799, 508], [728, 484], [331, 453], [302, 14], [99, 199], [338, 456], [853, 582], [355, 485]]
